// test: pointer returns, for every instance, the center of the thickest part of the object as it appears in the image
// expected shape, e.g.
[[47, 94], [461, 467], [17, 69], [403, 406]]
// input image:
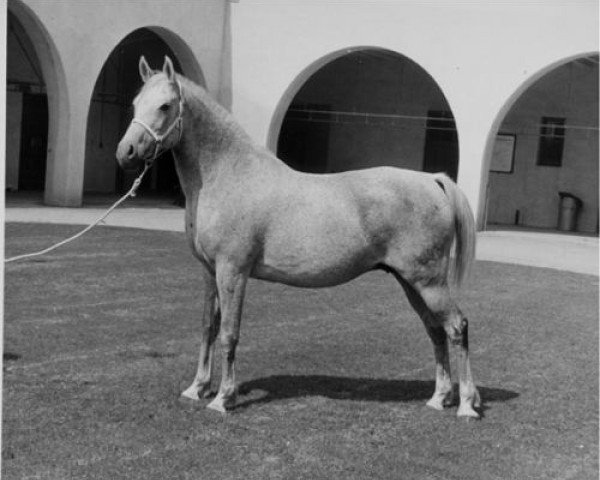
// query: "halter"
[[158, 139]]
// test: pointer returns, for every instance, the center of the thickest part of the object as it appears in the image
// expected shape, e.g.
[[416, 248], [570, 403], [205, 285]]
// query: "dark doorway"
[[111, 112], [162, 179], [304, 139], [34, 142], [364, 109], [441, 144]]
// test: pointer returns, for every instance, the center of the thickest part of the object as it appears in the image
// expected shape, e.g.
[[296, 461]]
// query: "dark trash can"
[[568, 211]]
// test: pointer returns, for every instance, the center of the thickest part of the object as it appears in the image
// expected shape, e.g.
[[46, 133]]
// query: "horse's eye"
[[165, 107]]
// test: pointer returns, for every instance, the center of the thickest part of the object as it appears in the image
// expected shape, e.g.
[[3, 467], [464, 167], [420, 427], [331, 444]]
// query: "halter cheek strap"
[[159, 139]]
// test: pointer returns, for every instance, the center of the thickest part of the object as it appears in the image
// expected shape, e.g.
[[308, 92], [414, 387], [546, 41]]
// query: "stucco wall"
[[480, 54], [569, 92], [255, 55]]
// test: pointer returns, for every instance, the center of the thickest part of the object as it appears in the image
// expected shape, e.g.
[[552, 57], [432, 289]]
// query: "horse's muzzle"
[[132, 152], [127, 156]]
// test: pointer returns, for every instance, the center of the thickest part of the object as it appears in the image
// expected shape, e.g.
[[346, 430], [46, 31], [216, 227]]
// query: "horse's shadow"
[[280, 387]]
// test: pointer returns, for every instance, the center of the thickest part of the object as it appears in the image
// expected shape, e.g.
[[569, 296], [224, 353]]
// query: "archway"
[[545, 145], [110, 112], [364, 107], [35, 98]]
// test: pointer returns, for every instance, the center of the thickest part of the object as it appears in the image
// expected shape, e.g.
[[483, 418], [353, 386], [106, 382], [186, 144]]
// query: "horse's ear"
[[145, 70], [168, 69]]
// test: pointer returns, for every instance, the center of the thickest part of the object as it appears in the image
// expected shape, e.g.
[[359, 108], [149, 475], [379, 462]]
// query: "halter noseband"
[[158, 139]]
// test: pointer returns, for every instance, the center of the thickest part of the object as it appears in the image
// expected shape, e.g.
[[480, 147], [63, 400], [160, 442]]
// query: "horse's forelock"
[[150, 82]]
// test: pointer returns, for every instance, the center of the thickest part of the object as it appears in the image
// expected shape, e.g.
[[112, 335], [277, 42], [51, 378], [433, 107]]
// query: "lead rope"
[[131, 193]]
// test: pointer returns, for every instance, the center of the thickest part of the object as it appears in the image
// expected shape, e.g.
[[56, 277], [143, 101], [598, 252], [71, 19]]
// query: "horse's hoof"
[[197, 393], [220, 405], [467, 411], [440, 401], [191, 393], [436, 403]]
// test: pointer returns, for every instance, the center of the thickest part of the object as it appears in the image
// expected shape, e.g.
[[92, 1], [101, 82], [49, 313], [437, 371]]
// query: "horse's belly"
[[315, 264], [301, 276]]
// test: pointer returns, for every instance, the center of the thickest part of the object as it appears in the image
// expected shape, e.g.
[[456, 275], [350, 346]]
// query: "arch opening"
[[110, 113], [37, 103], [365, 107], [35, 97], [27, 111], [543, 149]]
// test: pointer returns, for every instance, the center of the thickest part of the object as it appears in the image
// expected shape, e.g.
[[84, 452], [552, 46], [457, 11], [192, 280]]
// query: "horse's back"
[[408, 200]]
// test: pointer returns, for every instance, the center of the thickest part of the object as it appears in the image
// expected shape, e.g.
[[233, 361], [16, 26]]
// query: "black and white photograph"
[[300, 239]]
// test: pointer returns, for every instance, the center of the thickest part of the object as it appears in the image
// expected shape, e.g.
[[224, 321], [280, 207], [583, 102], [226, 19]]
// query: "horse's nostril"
[[130, 151]]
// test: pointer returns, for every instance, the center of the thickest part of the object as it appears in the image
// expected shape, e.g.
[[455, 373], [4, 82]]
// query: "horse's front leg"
[[211, 320], [231, 285]]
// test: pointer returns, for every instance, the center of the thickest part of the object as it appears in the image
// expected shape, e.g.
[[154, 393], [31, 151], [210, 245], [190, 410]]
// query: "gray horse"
[[250, 215]]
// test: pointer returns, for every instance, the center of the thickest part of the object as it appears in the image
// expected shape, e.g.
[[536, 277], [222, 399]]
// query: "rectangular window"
[[552, 138]]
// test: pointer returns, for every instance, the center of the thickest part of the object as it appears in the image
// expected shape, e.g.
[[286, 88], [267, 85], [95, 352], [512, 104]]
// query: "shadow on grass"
[[10, 357], [280, 387]]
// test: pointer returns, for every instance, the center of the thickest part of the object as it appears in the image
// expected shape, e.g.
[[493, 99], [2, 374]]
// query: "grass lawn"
[[101, 337]]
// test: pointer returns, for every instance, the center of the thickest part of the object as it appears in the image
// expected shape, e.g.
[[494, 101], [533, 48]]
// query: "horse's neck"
[[211, 142]]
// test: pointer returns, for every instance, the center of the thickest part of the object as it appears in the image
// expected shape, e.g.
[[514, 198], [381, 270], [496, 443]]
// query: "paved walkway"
[[540, 249]]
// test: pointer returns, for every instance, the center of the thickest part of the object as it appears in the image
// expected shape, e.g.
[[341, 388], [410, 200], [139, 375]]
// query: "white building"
[[328, 85]]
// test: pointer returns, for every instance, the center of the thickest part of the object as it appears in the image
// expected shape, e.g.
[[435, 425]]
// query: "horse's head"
[[157, 124]]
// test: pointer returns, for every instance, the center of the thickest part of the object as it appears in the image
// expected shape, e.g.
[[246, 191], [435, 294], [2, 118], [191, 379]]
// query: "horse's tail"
[[464, 226]]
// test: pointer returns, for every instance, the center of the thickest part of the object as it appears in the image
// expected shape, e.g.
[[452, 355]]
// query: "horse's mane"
[[203, 103]]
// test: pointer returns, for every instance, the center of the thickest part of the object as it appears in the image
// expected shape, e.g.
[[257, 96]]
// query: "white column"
[[473, 166], [66, 152]]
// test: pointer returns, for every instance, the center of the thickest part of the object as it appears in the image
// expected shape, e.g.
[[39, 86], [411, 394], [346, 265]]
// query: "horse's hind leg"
[[211, 320], [442, 396], [440, 314], [469, 396]]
